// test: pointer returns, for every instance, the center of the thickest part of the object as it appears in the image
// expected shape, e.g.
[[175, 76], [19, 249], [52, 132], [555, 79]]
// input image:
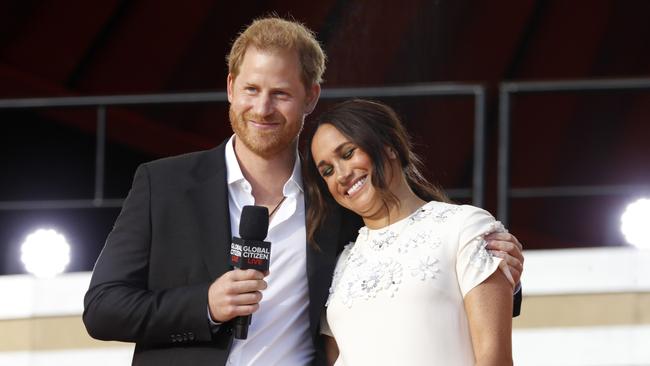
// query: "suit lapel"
[[210, 198]]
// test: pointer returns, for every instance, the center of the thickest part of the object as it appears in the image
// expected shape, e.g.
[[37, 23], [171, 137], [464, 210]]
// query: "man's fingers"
[[506, 246], [241, 287], [245, 274], [514, 265], [245, 309], [516, 275], [241, 310], [249, 298], [505, 237], [235, 293], [512, 262]]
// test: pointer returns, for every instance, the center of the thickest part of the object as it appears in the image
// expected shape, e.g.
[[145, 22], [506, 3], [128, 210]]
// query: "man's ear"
[[229, 85], [312, 98]]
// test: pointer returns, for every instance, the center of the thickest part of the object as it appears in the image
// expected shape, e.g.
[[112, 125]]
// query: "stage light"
[[635, 223], [45, 253]]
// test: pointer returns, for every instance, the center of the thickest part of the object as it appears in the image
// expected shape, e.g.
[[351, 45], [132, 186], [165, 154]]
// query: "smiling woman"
[[345, 169], [419, 260], [367, 133]]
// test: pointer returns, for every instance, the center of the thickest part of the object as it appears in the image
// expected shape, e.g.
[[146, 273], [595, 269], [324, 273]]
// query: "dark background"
[[78, 48]]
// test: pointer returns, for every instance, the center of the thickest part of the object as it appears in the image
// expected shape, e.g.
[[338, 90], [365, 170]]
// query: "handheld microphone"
[[250, 252]]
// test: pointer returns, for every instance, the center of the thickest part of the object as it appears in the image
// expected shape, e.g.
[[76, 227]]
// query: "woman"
[[418, 286]]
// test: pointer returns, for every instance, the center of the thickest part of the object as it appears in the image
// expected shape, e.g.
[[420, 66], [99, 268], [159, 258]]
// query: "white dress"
[[397, 293]]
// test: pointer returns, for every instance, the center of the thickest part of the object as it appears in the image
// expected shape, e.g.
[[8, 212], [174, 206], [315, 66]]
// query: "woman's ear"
[[390, 152]]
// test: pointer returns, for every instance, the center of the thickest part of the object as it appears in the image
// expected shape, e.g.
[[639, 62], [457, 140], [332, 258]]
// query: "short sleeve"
[[474, 264]]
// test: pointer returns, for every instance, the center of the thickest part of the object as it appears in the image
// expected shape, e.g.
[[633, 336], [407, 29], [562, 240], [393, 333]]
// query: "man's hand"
[[506, 246], [235, 293]]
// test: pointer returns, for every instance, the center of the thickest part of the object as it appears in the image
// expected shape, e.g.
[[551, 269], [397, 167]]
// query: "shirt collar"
[[232, 164], [292, 187]]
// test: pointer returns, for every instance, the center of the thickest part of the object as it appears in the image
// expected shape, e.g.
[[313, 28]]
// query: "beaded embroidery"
[[425, 269], [384, 239], [361, 277], [367, 281], [481, 257]]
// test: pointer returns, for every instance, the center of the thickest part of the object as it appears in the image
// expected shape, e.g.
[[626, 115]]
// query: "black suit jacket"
[[169, 243]]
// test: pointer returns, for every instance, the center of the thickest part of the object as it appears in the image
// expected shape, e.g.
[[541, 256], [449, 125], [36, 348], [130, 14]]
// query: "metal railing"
[[506, 91], [101, 103]]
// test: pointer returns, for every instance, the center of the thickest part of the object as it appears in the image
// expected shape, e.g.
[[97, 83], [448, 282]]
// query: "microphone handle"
[[260, 263], [241, 326]]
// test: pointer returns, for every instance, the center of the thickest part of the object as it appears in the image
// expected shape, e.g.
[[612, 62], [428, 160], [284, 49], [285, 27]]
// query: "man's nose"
[[263, 106]]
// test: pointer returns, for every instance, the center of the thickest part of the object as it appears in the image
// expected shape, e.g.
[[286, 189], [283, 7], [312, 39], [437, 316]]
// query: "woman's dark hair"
[[373, 127]]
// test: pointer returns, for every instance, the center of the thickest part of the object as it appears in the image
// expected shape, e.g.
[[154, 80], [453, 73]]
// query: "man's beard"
[[265, 144]]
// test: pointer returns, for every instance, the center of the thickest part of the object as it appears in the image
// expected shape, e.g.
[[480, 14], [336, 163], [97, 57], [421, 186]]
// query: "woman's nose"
[[344, 174]]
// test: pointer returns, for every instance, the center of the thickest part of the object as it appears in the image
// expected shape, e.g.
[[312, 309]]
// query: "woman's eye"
[[326, 172], [348, 154]]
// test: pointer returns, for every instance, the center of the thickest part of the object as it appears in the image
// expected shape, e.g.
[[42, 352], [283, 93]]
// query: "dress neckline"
[[397, 224]]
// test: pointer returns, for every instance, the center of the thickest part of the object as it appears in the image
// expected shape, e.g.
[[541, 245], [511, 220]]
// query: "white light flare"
[[45, 253], [635, 223]]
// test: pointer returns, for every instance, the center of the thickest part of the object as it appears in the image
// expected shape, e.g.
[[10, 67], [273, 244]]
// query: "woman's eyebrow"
[[336, 150]]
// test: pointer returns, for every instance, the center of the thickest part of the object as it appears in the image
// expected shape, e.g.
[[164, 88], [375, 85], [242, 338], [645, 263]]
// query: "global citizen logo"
[[247, 255]]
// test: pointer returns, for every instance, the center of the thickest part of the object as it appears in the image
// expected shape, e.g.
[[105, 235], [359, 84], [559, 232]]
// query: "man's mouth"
[[264, 124]]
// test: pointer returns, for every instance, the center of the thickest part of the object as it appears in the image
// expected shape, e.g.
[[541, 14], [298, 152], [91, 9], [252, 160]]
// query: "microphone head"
[[254, 223]]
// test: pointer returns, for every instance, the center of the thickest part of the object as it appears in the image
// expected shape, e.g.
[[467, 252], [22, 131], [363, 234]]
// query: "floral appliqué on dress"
[[481, 257], [362, 277]]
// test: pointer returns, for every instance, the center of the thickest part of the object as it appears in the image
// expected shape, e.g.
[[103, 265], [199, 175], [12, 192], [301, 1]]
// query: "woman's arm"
[[489, 311], [331, 350]]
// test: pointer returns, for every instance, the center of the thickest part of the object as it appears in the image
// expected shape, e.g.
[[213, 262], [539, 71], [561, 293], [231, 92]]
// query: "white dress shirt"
[[279, 331]]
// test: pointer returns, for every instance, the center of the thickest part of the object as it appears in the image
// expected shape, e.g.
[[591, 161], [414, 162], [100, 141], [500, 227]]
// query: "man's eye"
[[348, 154]]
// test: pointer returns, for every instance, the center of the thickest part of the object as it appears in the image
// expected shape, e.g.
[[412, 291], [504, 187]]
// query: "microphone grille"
[[254, 223]]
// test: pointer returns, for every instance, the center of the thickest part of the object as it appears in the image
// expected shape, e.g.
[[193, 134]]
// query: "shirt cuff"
[[212, 322]]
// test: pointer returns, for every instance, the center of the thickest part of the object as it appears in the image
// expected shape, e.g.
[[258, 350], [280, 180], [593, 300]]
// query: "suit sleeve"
[[119, 304]]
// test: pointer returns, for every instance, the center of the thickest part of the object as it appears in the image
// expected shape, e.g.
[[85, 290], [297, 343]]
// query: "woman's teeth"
[[356, 186]]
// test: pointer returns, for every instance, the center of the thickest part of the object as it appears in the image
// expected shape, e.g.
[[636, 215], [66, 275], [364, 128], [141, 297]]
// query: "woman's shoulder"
[[438, 211], [456, 217]]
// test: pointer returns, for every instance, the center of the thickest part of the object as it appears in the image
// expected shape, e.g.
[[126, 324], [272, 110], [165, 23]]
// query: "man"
[[163, 279]]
